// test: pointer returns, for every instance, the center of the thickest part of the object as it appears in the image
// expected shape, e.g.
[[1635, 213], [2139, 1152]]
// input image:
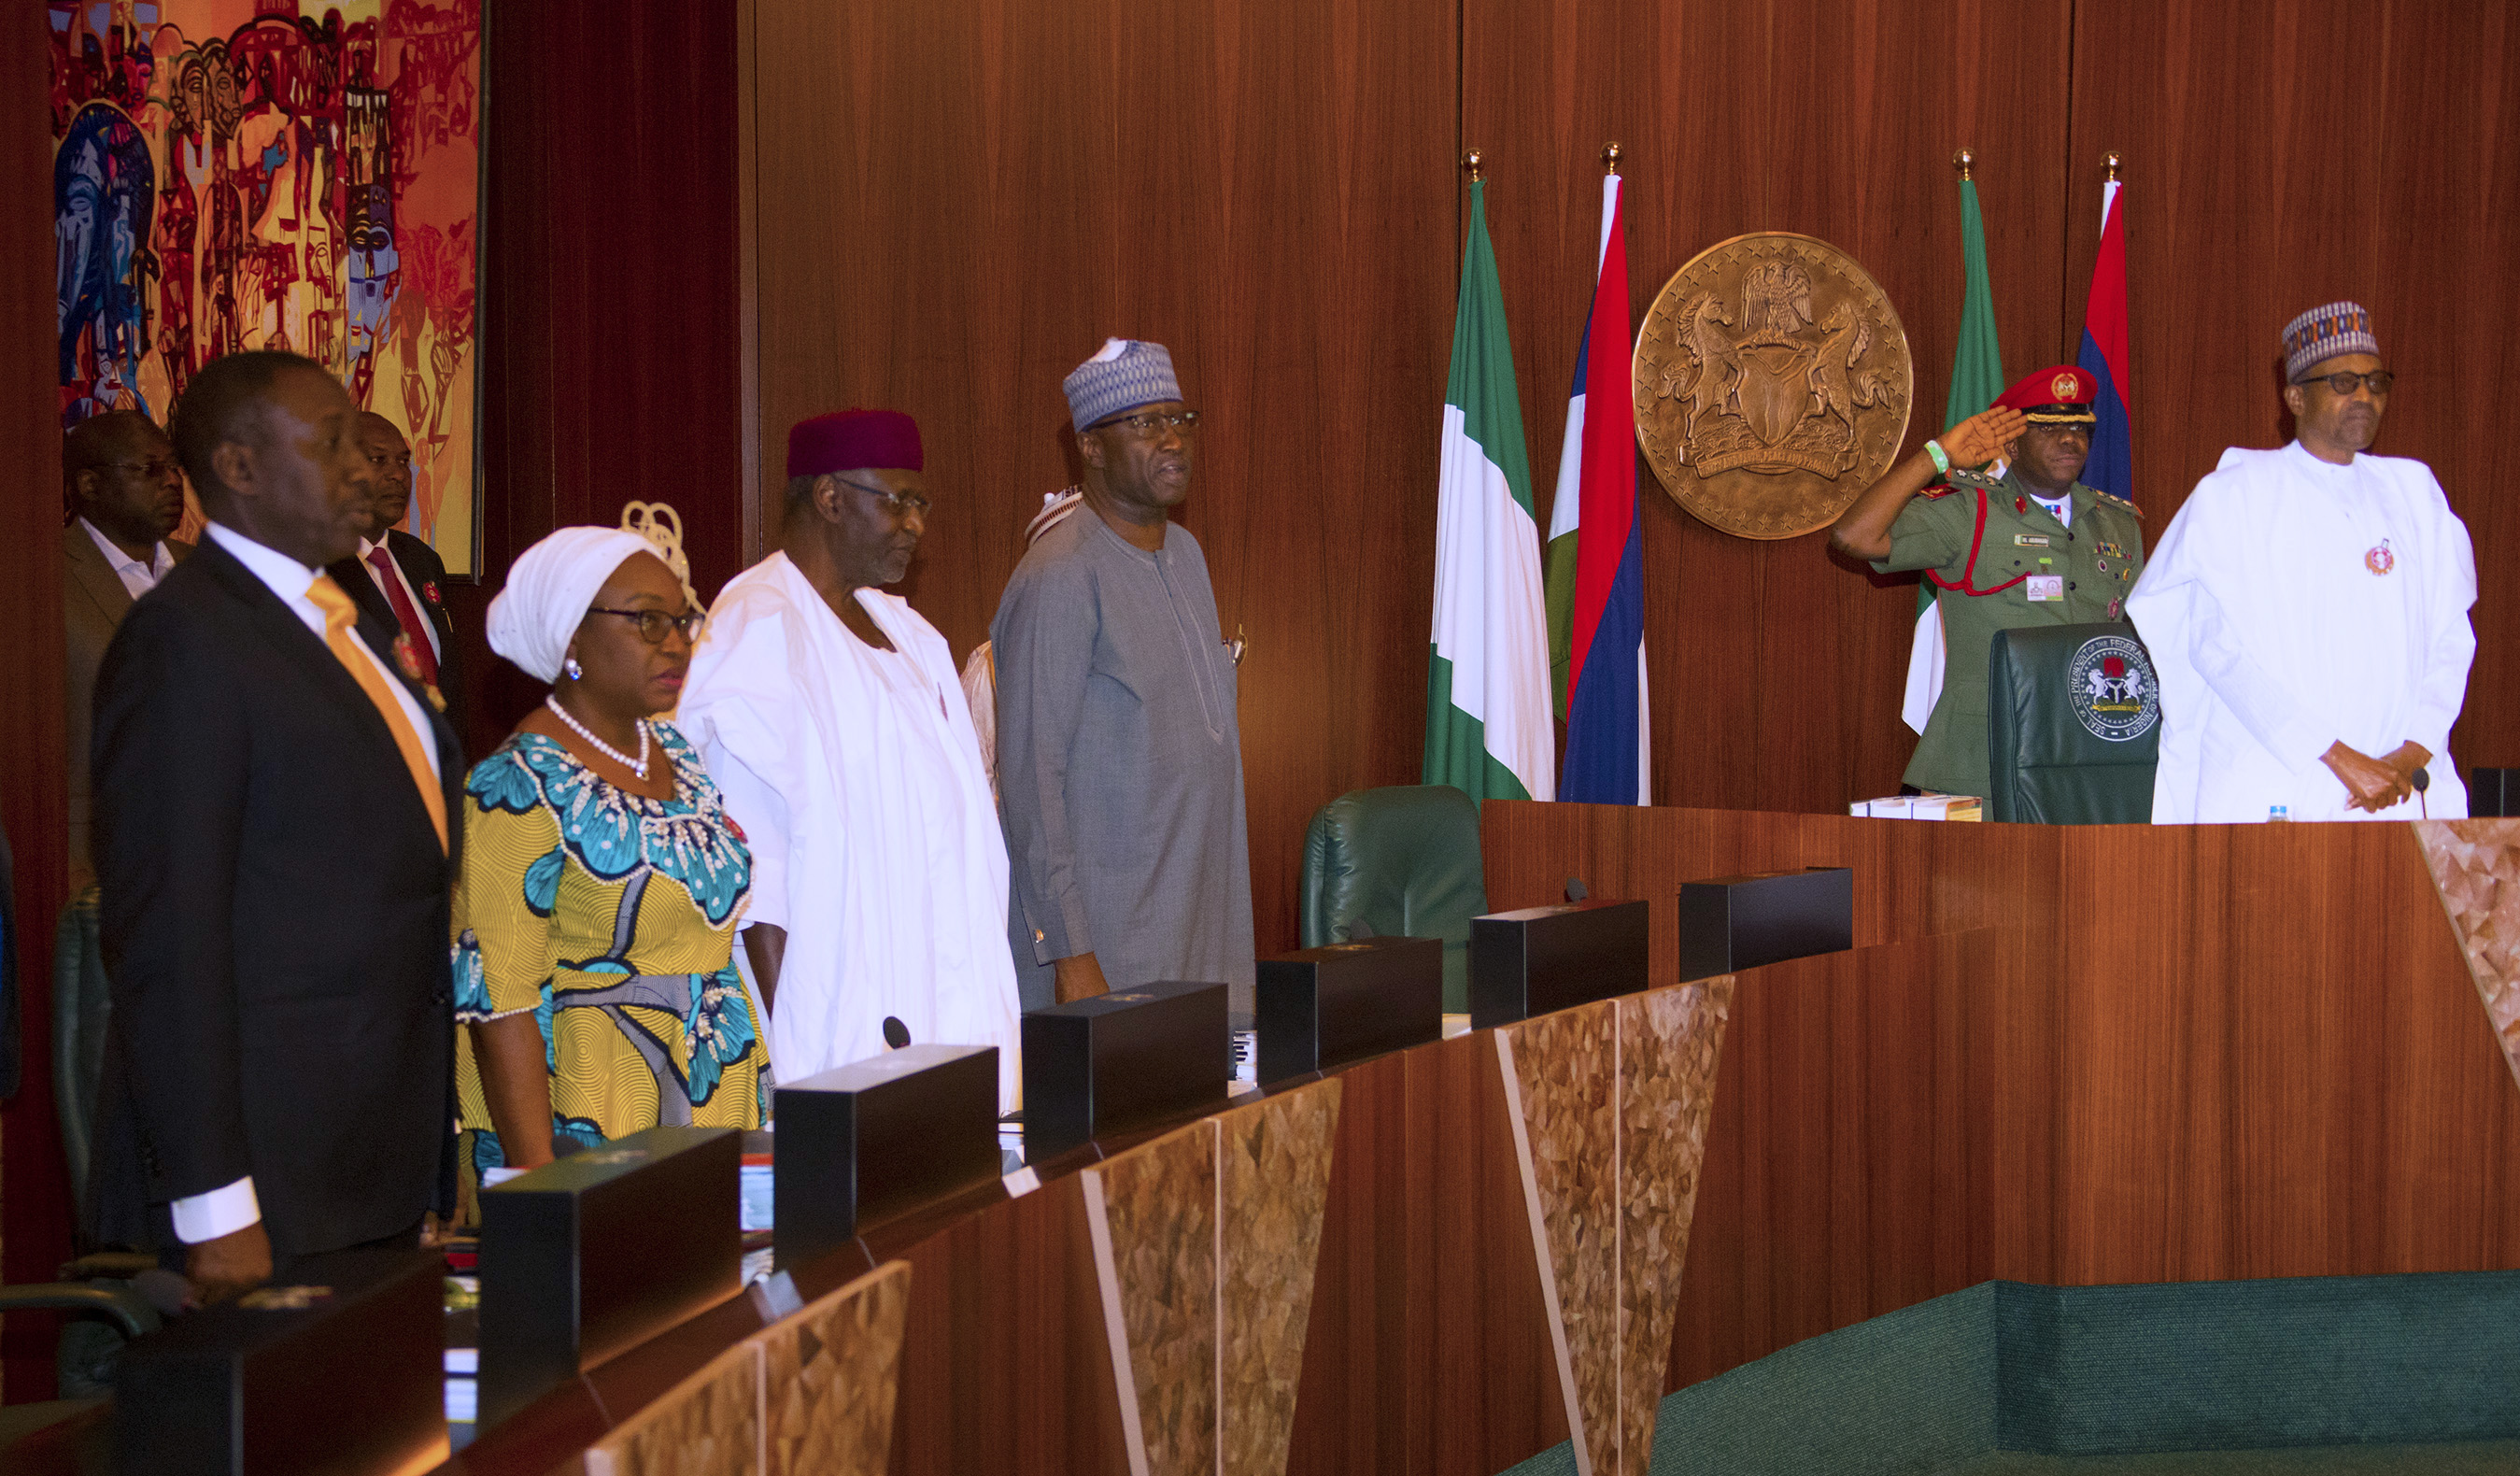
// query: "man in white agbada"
[[2308, 612], [830, 716]]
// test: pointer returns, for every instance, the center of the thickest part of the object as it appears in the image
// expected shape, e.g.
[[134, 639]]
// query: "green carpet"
[[2329, 1374]]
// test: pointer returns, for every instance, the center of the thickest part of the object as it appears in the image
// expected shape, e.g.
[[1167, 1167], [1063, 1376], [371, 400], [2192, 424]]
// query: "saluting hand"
[[1982, 437]]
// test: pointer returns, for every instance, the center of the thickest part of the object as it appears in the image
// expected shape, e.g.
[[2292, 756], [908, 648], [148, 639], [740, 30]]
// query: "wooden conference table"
[[2065, 1056]]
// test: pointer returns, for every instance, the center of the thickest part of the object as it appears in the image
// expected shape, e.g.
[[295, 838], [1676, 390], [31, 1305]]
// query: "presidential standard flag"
[[1487, 679], [2104, 356], [1977, 378], [1597, 551]]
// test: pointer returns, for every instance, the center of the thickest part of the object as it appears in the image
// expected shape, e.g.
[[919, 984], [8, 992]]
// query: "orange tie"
[[339, 615]]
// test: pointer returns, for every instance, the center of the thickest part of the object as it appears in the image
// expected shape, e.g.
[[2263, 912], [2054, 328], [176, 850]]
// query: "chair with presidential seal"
[[2072, 717]]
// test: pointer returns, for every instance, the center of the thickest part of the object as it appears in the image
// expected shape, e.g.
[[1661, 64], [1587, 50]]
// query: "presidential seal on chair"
[[1772, 385]]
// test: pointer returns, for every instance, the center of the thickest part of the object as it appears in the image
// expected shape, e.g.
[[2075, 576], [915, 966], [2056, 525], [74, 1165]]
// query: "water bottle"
[[2277, 812]]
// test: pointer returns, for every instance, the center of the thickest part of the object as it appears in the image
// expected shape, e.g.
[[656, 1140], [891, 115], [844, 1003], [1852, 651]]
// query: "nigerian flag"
[[1977, 378], [1487, 679]]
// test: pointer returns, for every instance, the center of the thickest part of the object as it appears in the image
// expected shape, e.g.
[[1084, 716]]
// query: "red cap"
[[2058, 384], [882, 440]]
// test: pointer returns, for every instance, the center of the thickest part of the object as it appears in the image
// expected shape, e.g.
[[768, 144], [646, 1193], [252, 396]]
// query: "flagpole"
[[1611, 153], [1474, 164], [1963, 162]]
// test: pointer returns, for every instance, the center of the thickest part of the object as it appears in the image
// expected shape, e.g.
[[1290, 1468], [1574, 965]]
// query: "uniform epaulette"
[[2116, 501], [1940, 489]]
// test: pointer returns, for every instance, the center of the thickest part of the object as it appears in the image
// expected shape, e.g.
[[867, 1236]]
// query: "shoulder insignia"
[[1941, 489], [2115, 501]]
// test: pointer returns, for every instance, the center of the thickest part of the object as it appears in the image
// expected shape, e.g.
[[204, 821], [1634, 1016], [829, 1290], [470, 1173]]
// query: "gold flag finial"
[[1611, 153], [1963, 162], [1471, 164], [2112, 162]]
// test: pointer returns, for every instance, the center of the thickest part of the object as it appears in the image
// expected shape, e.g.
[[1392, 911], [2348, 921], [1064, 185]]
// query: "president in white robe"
[[2308, 614], [829, 714]]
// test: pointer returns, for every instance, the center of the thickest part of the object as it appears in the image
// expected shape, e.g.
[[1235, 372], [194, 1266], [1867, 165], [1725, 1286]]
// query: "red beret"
[[882, 440], [2058, 384]]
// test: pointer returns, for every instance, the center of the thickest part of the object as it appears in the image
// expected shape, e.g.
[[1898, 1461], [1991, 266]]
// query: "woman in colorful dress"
[[602, 879]]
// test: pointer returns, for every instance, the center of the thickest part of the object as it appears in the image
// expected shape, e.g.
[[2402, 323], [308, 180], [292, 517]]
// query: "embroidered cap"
[[2323, 333], [1125, 374]]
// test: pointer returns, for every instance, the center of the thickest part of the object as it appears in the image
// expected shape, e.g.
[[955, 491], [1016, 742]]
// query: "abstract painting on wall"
[[298, 174]]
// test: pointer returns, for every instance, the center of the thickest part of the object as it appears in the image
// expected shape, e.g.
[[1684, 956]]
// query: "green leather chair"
[[2072, 717], [1404, 862]]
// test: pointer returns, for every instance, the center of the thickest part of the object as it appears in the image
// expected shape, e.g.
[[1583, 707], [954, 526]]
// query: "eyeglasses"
[[895, 503], [155, 468], [654, 624], [2343, 385], [1150, 425]]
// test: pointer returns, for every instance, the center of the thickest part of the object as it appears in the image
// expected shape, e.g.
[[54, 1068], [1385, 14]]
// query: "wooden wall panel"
[[35, 1233], [2078, 1055], [2281, 158], [609, 305], [1269, 190], [1775, 670]]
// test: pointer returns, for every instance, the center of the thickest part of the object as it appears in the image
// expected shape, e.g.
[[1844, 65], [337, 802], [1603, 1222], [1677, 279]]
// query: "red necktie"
[[404, 615]]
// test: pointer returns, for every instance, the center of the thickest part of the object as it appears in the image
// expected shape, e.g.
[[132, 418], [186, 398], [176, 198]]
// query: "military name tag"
[[2030, 540], [2046, 586]]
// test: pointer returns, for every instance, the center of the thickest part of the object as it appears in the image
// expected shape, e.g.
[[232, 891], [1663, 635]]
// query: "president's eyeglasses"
[[2343, 383]]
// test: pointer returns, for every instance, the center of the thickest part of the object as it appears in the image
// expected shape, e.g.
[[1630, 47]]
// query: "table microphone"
[[895, 1034], [2422, 780], [1576, 891]]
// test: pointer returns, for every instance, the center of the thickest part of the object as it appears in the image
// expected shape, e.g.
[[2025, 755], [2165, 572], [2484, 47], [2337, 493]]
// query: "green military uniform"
[[1985, 583]]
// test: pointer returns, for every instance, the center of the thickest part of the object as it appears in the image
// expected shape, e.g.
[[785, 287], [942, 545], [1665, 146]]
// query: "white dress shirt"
[[137, 577], [402, 576], [232, 1207]]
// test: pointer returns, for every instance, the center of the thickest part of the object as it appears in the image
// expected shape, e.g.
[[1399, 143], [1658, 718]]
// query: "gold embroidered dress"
[[611, 916]]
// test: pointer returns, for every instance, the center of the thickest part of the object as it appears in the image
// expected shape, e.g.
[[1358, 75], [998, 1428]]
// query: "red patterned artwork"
[[234, 174]]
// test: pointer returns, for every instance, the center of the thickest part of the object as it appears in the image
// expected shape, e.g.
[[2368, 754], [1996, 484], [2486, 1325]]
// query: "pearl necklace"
[[638, 767]]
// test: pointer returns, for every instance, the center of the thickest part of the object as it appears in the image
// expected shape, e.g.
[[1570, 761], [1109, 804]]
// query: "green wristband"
[[1942, 457]]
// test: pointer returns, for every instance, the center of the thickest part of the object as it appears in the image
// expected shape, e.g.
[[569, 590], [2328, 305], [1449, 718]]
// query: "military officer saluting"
[[2022, 543]]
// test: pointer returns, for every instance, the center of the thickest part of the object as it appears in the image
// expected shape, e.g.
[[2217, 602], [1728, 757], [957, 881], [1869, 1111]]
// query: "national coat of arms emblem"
[[2111, 684], [1772, 385]]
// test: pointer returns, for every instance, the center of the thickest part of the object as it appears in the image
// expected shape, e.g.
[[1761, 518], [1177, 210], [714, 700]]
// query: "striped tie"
[[339, 615]]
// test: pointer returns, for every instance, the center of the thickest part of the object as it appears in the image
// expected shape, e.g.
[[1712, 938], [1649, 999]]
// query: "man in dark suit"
[[125, 495], [273, 792], [398, 576]]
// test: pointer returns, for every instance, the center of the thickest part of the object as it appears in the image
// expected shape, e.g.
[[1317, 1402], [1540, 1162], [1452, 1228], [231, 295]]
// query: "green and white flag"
[[1977, 378], [1488, 729]]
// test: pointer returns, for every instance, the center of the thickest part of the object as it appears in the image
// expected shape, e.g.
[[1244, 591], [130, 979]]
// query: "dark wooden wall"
[[1271, 190], [958, 205]]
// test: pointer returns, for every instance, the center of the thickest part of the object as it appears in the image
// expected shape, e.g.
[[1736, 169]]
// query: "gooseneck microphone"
[[2422, 780], [895, 1034]]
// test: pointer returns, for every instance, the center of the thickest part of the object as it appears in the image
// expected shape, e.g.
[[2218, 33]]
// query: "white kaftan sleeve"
[[742, 710], [2452, 565]]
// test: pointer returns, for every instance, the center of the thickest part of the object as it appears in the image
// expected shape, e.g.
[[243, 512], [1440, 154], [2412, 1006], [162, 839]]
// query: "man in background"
[[2306, 610], [1119, 740], [125, 494], [399, 577]]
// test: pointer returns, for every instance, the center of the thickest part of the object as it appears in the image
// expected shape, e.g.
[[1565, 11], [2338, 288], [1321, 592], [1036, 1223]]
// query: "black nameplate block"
[[342, 1367], [1544, 959], [597, 1252], [1121, 1060], [869, 1141], [1325, 1007], [2492, 792], [1743, 921]]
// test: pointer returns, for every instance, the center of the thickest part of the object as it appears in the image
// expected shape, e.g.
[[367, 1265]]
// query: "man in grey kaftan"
[[1119, 753]]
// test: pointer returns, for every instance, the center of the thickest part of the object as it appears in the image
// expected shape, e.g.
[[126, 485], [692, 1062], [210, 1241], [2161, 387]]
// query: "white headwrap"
[[549, 590]]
